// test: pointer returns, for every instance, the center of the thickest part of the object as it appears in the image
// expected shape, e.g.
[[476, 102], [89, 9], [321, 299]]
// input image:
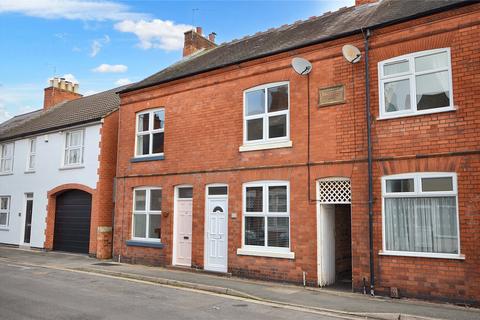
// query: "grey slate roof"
[[83, 110], [344, 22]]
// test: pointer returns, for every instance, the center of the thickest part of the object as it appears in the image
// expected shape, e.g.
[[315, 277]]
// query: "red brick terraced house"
[[231, 161]]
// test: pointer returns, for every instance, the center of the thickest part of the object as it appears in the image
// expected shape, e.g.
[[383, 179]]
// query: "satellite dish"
[[351, 53], [301, 66]]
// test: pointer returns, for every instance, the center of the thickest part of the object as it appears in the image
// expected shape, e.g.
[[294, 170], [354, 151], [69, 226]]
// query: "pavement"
[[326, 301]]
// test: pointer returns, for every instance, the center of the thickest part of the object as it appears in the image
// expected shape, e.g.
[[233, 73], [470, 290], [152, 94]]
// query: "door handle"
[[185, 238]]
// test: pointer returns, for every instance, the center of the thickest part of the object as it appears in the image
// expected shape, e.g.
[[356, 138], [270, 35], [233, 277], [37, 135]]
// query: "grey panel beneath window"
[[152, 158], [146, 244]]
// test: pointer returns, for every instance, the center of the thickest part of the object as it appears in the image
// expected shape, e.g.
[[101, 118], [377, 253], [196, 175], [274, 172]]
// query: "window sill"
[[71, 167], [423, 255], [6, 173], [388, 117], [4, 229], [265, 146], [149, 158], [270, 254], [145, 244]]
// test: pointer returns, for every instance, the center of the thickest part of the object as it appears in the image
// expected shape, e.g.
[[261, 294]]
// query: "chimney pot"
[[59, 91], [195, 41], [211, 37]]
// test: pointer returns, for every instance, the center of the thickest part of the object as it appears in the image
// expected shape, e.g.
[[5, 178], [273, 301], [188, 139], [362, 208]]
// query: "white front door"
[[326, 244], [216, 245], [183, 241]]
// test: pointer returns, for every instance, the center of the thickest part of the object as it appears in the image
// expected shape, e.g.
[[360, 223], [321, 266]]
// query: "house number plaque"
[[331, 95]]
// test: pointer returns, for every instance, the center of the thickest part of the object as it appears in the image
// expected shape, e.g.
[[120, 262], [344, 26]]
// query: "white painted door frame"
[[26, 196], [326, 244], [175, 223], [208, 198]]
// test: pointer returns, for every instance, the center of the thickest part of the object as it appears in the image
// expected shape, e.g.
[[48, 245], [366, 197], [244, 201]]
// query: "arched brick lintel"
[[69, 186]]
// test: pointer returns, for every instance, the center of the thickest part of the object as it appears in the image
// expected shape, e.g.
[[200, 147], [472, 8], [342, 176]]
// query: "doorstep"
[[198, 270]]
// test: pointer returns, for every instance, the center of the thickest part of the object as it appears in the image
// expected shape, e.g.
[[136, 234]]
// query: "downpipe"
[[366, 36]]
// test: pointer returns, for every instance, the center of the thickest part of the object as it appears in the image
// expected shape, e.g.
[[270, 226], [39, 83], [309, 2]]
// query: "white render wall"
[[48, 175]]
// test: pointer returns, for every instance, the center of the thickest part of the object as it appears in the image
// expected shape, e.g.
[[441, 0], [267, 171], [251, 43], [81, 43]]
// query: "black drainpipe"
[[366, 36]]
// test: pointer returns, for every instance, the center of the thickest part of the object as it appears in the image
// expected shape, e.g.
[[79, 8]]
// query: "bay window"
[[147, 214], [420, 215], [150, 133], [266, 218], [416, 83], [267, 115]]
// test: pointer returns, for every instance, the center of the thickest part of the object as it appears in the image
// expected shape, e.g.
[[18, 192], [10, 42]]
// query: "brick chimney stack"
[[195, 41], [60, 90], [360, 2]]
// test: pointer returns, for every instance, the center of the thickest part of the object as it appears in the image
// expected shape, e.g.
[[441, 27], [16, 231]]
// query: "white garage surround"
[[48, 174]]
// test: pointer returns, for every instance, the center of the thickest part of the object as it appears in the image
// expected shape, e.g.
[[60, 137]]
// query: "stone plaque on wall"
[[331, 95]]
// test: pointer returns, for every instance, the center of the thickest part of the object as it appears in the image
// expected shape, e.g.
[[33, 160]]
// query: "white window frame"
[[417, 182], [67, 148], [411, 75], [149, 132], [147, 213], [31, 142], [7, 211], [276, 252], [266, 142], [6, 157]]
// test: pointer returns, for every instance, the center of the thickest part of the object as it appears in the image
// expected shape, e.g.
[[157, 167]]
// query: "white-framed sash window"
[[420, 215], [4, 211], [266, 218], [6, 158], [74, 147], [266, 115], [32, 151], [147, 214], [150, 128], [416, 83]]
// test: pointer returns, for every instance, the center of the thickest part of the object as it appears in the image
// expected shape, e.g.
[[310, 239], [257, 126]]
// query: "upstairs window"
[[420, 215], [6, 158], [73, 155], [32, 147], [267, 118], [147, 214], [150, 133], [416, 83], [4, 211]]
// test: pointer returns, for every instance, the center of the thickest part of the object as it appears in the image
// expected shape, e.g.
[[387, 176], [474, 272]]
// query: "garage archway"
[[72, 221]]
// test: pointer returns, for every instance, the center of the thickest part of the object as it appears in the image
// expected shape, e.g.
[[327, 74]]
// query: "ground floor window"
[[267, 216], [4, 211], [421, 213], [147, 214]]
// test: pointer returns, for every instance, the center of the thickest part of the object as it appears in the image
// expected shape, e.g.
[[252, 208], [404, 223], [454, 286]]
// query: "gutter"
[[306, 44]]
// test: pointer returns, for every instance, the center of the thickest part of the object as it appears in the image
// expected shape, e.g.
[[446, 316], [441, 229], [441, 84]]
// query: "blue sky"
[[102, 44]]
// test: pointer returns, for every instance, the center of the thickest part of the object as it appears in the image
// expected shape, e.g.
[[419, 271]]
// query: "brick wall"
[[203, 132]]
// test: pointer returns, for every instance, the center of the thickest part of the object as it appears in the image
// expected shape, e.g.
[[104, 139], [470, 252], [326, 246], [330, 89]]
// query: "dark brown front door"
[[28, 218]]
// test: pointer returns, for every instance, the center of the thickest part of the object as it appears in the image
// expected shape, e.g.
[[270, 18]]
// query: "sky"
[[102, 44]]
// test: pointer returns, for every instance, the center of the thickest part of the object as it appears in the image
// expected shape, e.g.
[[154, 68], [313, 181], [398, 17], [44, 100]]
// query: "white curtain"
[[421, 224]]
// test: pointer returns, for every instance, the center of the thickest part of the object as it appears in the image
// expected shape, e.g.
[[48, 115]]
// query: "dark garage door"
[[72, 221]]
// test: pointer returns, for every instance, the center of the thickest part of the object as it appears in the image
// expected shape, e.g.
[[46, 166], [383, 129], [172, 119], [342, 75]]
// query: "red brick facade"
[[102, 196], [204, 130]]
